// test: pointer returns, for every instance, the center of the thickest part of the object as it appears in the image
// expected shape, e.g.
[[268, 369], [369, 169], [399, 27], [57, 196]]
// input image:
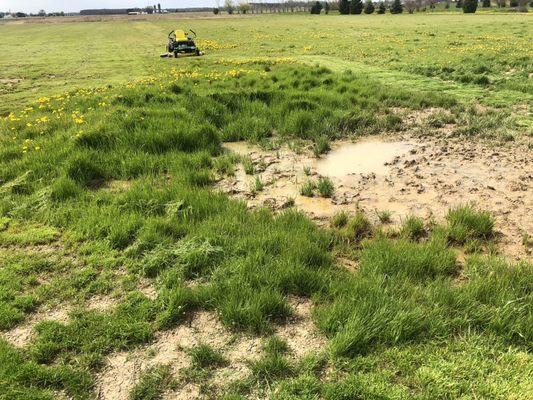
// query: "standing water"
[[365, 157]]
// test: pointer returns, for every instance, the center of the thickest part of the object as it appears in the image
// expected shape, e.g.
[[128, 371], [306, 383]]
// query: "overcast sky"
[[77, 5]]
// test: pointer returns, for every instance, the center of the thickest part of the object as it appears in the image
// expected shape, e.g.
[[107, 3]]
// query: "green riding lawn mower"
[[181, 44]]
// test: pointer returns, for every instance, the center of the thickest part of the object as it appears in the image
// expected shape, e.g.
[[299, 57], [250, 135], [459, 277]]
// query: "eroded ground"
[[407, 174], [123, 369]]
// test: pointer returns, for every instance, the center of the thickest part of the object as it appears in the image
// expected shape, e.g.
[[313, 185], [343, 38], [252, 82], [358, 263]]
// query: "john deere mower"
[[181, 43]]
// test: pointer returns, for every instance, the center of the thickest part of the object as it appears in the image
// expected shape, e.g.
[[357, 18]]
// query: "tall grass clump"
[[321, 145], [465, 222], [413, 228], [339, 220], [358, 227], [307, 189], [414, 261], [248, 165], [325, 187]]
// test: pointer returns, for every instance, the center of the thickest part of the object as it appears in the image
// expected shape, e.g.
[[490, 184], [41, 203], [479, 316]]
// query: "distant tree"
[[216, 10], [447, 4], [410, 6], [500, 3], [21, 15], [159, 8], [369, 7], [522, 5], [316, 8], [228, 5], [459, 4], [344, 7], [41, 13], [291, 5], [149, 10], [356, 7], [381, 8], [244, 7], [531, 3], [396, 7], [469, 6], [486, 3], [327, 7], [513, 3]]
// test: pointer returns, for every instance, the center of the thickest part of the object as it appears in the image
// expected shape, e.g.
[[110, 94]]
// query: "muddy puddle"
[[405, 175], [364, 157]]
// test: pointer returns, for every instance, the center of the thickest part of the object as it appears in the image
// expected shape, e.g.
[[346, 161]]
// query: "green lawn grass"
[[105, 187], [460, 54]]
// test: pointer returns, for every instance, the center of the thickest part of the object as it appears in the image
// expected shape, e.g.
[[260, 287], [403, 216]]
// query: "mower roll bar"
[[190, 30]]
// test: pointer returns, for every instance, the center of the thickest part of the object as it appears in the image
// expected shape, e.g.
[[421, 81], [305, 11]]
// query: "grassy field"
[[108, 157], [459, 54]]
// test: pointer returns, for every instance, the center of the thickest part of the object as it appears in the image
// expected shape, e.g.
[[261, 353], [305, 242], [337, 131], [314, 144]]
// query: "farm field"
[[320, 207]]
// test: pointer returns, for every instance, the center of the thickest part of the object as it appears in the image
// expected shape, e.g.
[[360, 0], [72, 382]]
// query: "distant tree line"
[[399, 6], [358, 6], [155, 9], [41, 13]]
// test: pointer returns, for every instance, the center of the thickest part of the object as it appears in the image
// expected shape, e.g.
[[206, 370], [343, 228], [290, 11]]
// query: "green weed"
[[248, 166], [153, 383], [321, 146], [257, 185], [413, 228], [385, 216], [308, 188], [358, 227], [204, 356], [325, 187], [339, 220]]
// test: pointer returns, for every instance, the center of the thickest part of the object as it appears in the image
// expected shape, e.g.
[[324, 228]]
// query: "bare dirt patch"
[[404, 174], [10, 81], [101, 303], [300, 332], [123, 369], [21, 335]]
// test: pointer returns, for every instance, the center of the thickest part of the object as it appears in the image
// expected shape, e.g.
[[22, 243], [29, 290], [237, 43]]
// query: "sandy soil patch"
[[408, 175], [21, 335], [123, 369], [10, 81]]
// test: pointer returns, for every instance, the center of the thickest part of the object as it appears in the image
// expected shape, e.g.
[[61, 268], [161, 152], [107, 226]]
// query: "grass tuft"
[[204, 356], [385, 216], [465, 222], [413, 228], [339, 220], [358, 227], [153, 383], [308, 188], [325, 187]]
